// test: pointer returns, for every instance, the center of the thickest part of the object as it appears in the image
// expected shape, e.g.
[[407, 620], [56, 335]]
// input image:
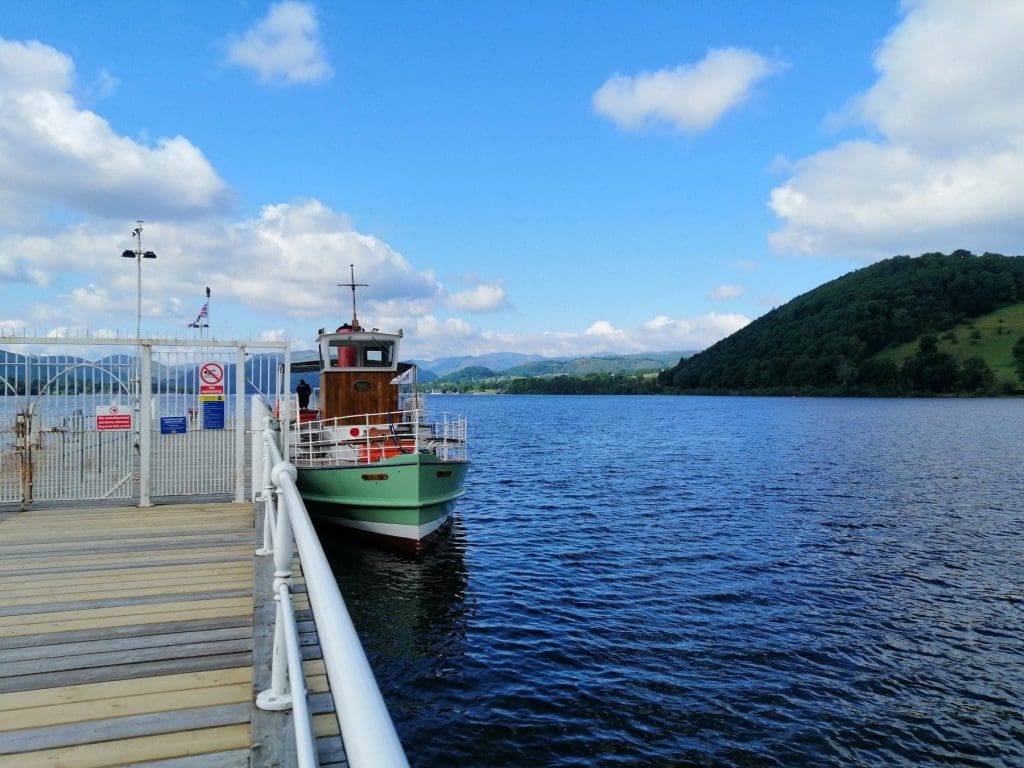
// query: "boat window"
[[360, 354], [374, 356], [343, 354]]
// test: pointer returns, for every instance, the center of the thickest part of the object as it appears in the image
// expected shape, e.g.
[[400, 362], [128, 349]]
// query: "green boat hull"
[[403, 501]]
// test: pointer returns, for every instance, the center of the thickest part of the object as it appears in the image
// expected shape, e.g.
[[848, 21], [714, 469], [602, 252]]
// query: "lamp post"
[[138, 254]]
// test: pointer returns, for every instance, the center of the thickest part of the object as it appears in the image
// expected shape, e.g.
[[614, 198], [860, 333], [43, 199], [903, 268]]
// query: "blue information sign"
[[173, 425], [213, 414]]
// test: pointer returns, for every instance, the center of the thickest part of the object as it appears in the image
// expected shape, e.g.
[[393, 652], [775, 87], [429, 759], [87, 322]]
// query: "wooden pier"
[[135, 637]]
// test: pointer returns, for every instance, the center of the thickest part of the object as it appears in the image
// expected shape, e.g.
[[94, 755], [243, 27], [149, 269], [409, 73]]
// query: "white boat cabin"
[[356, 371]]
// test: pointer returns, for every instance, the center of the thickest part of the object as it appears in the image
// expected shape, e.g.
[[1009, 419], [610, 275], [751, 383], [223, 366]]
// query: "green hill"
[[833, 339]]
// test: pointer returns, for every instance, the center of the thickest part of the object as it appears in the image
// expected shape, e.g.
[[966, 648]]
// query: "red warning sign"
[[113, 418]]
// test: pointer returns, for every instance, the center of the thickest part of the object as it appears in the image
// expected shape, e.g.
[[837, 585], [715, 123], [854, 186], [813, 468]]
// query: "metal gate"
[[129, 421]]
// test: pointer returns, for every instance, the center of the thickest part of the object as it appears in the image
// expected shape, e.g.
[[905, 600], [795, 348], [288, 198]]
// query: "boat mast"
[[353, 285]]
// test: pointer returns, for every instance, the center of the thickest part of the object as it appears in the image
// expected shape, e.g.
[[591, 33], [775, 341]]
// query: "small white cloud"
[[486, 297], [725, 292], [691, 98], [602, 328], [89, 300], [284, 47], [104, 85], [277, 334]]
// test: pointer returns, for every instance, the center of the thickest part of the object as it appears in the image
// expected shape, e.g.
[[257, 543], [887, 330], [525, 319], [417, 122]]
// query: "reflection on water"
[[409, 610]]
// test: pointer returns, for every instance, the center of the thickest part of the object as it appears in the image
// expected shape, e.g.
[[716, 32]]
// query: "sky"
[[557, 178]]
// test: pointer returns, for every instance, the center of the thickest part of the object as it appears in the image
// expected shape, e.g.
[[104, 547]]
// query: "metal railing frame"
[[366, 728], [446, 436]]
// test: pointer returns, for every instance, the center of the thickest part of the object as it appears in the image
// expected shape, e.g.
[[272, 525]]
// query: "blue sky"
[[561, 178]]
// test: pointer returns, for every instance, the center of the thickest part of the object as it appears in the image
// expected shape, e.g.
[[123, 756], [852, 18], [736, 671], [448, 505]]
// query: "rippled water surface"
[[713, 582]]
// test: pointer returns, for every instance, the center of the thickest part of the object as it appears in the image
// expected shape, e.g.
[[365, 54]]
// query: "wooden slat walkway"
[[127, 638]]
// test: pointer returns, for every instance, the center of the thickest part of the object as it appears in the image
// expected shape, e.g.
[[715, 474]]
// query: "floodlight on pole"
[[138, 254]]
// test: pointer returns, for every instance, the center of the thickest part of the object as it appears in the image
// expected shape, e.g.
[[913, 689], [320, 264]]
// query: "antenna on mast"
[[353, 285]]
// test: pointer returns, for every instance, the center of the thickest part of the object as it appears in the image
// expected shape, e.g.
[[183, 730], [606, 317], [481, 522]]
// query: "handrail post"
[[269, 516], [145, 426], [278, 696]]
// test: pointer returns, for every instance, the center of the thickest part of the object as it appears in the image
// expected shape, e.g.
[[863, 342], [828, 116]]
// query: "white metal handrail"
[[366, 728], [368, 438]]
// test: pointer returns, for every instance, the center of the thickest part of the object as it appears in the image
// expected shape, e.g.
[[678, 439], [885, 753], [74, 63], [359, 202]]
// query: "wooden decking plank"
[[138, 630], [122, 672], [110, 580], [117, 728], [138, 750], [120, 644], [123, 705], [123, 589], [103, 543], [47, 697], [167, 554], [238, 758], [155, 597], [137, 539], [113, 538], [330, 751], [109, 617], [122, 657], [205, 559]]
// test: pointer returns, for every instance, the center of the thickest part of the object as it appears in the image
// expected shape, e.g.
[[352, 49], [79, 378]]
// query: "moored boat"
[[368, 459]]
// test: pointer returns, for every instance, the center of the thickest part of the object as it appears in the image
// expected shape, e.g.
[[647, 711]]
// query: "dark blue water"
[[713, 582]]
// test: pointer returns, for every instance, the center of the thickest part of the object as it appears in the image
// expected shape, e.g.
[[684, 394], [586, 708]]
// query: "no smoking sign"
[[211, 373], [211, 381]]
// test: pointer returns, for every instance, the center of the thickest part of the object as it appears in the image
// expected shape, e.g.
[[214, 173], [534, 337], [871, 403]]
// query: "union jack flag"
[[202, 317]]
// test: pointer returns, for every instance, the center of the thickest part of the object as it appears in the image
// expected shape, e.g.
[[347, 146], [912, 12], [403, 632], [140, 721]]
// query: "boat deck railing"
[[367, 731], [371, 437]]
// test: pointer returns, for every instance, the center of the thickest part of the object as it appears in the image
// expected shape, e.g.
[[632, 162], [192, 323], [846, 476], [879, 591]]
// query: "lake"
[[712, 582]]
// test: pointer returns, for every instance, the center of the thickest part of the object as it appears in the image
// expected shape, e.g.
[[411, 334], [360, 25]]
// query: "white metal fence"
[[121, 419]]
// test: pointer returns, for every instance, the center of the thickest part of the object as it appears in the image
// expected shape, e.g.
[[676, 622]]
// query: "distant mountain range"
[[16, 369], [512, 364]]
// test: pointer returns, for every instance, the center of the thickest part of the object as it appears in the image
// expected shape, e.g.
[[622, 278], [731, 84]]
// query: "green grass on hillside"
[[990, 337]]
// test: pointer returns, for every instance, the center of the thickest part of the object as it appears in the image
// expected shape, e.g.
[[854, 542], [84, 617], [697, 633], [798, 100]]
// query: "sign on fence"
[[173, 425], [113, 418]]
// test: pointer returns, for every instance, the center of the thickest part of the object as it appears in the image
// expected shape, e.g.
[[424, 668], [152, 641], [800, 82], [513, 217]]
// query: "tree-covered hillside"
[[824, 341]]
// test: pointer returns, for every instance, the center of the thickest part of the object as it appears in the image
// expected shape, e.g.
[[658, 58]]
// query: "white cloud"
[[53, 153], [89, 299], [287, 260], [486, 297], [725, 292], [691, 97], [284, 47], [433, 338], [948, 170]]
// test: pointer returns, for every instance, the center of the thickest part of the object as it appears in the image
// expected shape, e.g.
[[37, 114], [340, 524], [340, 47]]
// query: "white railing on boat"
[[366, 728], [368, 438]]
